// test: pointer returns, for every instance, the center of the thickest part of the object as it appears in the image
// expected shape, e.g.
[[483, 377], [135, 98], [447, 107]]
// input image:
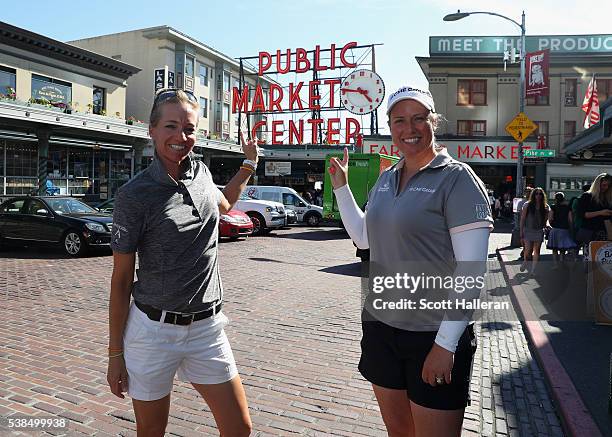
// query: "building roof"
[[597, 139], [35, 43]]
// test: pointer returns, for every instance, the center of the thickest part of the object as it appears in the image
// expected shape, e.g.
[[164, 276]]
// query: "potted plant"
[[130, 120], [89, 108]]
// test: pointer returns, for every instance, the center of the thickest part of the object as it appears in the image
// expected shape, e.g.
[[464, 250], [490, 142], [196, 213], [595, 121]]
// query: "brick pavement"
[[294, 310]]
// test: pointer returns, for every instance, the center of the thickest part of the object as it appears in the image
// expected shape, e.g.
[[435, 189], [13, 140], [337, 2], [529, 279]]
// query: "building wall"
[[82, 80], [503, 101], [142, 49]]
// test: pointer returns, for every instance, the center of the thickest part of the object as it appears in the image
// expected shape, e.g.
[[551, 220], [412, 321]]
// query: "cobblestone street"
[[293, 303]]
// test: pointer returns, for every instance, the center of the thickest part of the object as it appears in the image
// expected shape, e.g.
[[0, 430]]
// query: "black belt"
[[176, 318]]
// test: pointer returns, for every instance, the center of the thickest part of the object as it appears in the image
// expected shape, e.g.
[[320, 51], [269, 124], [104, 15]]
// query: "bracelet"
[[116, 355], [250, 162], [252, 170], [111, 349]]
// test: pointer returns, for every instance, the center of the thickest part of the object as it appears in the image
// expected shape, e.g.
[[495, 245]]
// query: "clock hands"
[[358, 90]]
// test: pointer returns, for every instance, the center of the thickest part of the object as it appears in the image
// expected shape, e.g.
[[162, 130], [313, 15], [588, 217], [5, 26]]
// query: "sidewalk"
[[575, 355]]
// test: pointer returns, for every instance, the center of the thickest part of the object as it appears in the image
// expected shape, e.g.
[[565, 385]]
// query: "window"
[[203, 74], [570, 92], [226, 82], [98, 100], [22, 160], [189, 61], [569, 130], [604, 89], [536, 100], [471, 128], [472, 92], [57, 161], [34, 206], [203, 107], [13, 207], [226, 112], [50, 90], [7, 82], [541, 130]]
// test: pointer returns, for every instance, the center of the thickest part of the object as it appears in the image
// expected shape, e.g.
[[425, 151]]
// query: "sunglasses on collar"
[[168, 93]]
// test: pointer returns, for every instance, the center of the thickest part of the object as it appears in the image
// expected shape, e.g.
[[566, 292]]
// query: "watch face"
[[362, 92]]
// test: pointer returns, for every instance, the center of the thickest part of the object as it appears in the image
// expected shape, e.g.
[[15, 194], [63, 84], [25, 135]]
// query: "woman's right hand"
[[117, 376], [338, 170]]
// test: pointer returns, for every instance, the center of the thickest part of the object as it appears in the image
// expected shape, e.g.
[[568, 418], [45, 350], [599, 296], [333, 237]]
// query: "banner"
[[159, 79], [536, 69]]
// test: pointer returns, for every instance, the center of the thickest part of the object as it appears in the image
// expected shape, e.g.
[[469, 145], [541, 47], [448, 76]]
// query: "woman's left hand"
[[250, 148], [439, 363]]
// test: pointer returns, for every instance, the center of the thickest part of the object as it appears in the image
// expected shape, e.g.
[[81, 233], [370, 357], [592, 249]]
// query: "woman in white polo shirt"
[[427, 210]]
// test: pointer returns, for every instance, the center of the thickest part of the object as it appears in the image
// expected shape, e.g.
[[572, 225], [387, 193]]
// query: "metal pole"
[[519, 163]]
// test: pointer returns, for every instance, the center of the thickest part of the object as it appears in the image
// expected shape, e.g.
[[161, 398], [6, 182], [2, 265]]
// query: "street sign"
[[539, 153], [521, 127]]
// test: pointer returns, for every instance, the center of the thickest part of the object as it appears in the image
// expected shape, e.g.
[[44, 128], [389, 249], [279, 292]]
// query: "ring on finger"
[[439, 380]]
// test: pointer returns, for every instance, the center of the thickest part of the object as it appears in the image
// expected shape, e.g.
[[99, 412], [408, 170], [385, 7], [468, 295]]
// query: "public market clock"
[[362, 91]]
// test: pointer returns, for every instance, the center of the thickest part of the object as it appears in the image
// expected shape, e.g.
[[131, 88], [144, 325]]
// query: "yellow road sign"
[[521, 127]]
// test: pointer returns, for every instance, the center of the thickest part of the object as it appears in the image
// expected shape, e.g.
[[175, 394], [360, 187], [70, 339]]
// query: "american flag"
[[591, 105]]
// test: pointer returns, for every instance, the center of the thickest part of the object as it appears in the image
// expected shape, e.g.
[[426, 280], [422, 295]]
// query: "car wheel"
[[259, 223], [74, 243], [313, 219]]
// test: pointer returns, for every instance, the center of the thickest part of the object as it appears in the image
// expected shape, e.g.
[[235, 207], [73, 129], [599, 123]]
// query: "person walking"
[[534, 218], [427, 209], [595, 207], [169, 215], [560, 240]]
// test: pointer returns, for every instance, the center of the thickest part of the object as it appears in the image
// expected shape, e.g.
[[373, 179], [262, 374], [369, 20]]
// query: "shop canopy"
[[595, 143]]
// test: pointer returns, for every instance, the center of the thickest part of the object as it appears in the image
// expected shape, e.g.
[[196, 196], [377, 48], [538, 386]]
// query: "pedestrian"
[[560, 239], [534, 218], [429, 209], [519, 209], [498, 208], [595, 206], [169, 215]]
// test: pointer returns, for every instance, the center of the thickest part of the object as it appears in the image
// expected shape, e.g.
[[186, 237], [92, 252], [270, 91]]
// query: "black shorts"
[[393, 358]]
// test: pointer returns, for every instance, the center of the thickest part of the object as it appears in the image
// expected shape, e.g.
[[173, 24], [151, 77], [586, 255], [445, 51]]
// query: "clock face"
[[362, 91]]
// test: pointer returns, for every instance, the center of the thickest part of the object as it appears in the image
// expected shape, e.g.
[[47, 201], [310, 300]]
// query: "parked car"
[[306, 212], [107, 206], [265, 215], [60, 220], [235, 224]]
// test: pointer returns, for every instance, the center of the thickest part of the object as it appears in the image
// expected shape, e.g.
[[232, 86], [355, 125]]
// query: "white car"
[[306, 212], [265, 215]]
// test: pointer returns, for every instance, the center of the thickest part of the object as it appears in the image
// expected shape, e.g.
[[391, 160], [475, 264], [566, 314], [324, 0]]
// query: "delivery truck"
[[364, 170]]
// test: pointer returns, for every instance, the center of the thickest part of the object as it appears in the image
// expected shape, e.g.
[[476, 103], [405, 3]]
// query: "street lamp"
[[519, 164]]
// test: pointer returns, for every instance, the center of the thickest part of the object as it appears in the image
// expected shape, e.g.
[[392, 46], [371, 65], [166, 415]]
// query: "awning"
[[595, 143]]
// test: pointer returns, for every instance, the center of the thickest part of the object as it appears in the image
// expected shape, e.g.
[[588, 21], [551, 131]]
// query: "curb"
[[575, 415]]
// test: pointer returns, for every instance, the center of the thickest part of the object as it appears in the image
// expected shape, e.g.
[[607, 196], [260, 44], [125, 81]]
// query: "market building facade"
[[168, 58], [478, 94], [62, 115]]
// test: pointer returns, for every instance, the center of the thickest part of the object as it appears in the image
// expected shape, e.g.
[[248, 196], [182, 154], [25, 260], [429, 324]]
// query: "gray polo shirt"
[[414, 226], [173, 225]]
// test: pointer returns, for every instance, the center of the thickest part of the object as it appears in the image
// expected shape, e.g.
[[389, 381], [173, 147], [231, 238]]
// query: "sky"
[[244, 28]]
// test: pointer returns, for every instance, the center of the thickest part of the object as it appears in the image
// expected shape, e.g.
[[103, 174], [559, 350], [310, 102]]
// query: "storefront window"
[[121, 165], [80, 171], [57, 162], [100, 186], [21, 159], [46, 89], [7, 82]]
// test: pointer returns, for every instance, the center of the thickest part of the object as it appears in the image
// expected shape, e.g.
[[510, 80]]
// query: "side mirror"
[[42, 211]]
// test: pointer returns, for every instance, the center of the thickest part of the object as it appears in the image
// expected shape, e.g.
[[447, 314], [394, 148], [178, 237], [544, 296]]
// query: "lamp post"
[[519, 164]]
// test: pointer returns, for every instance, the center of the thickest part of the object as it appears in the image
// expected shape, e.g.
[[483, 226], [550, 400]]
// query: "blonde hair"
[[179, 97], [603, 199]]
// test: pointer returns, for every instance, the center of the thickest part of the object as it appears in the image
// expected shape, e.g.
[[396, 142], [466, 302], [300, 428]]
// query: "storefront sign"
[[52, 92], [300, 96], [171, 79], [485, 152], [537, 73], [159, 79], [277, 168], [601, 280], [443, 45]]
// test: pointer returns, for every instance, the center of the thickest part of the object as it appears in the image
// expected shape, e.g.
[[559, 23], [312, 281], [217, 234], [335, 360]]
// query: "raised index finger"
[[242, 140], [346, 156]]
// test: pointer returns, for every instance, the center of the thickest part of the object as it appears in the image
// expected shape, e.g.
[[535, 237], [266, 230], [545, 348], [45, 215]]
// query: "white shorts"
[[155, 351]]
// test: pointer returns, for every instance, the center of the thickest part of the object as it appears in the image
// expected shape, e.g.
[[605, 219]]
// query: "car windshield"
[[69, 206], [243, 196]]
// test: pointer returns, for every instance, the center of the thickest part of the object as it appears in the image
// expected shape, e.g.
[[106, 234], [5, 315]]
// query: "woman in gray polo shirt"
[[432, 211], [169, 214]]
